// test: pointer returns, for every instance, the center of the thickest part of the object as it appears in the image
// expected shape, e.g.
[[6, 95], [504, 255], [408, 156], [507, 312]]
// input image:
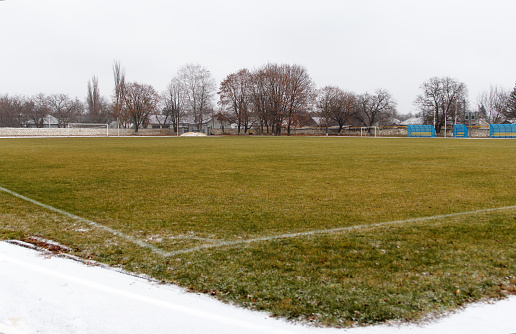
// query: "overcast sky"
[[56, 46]]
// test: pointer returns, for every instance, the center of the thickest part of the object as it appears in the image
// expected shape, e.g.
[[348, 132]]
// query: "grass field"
[[287, 225]]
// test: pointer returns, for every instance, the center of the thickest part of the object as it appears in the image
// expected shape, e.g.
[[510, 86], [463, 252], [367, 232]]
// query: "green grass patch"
[[181, 193]]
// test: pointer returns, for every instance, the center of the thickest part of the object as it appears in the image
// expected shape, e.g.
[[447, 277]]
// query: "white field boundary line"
[[89, 222], [4, 329], [144, 299], [336, 230], [249, 241]]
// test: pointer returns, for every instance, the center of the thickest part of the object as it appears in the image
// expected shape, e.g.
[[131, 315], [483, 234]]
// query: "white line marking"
[[144, 299], [243, 242], [335, 230], [9, 330], [92, 223]]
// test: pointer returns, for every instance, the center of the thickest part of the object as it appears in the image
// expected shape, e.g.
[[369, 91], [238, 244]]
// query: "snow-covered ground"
[[47, 294]]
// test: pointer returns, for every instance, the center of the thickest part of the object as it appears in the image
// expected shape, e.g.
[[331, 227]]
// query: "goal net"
[[368, 131], [88, 129]]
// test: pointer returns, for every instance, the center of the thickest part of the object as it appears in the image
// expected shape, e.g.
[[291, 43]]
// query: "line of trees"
[[339, 107], [284, 96], [445, 100], [16, 111], [497, 104], [274, 98], [441, 100], [190, 93]]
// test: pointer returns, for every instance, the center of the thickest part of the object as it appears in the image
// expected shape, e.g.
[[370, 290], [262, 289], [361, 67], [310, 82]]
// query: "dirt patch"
[[49, 245]]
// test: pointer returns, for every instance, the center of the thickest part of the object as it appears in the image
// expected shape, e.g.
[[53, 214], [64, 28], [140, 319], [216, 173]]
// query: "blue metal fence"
[[420, 131], [502, 131], [460, 131]]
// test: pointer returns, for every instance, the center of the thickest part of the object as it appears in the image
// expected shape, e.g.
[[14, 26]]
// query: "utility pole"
[[445, 121], [455, 121]]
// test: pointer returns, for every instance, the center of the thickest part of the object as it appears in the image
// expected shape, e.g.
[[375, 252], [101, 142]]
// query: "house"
[[318, 121], [394, 121], [49, 121], [482, 122], [413, 121], [220, 121], [160, 122]]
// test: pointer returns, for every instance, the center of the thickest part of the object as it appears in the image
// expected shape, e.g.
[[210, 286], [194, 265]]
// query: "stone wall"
[[50, 132], [479, 132], [143, 132], [354, 131], [385, 131], [226, 132], [80, 132], [388, 131]]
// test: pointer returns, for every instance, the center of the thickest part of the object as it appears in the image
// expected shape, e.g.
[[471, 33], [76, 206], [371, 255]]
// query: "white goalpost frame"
[[368, 127], [86, 126]]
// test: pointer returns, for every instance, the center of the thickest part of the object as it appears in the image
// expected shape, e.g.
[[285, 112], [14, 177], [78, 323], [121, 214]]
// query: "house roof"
[[159, 119], [394, 121], [413, 121], [319, 120], [46, 119]]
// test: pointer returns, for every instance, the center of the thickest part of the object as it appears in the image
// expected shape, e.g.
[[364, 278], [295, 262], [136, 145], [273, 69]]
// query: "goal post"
[[88, 129], [366, 130]]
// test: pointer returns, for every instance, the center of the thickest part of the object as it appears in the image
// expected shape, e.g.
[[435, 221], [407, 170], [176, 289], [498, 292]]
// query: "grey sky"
[[56, 46]]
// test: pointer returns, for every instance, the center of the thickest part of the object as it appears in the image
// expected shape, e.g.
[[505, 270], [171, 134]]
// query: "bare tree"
[[11, 111], [281, 95], [494, 104], [5, 110], [174, 102], [272, 87], [374, 109], [199, 88], [325, 102], [98, 107], [36, 108], [260, 98], [118, 95], [440, 99], [335, 105], [235, 96], [299, 93], [140, 101], [64, 109], [346, 109]]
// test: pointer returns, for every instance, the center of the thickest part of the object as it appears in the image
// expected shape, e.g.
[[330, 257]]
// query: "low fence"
[[385, 131], [313, 131], [81, 132]]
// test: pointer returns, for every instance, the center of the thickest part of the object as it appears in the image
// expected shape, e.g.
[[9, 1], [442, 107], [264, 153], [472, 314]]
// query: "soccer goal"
[[366, 131], [88, 129]]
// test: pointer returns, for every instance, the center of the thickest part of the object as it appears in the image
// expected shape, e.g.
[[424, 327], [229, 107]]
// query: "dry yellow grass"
[[178, 194]]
